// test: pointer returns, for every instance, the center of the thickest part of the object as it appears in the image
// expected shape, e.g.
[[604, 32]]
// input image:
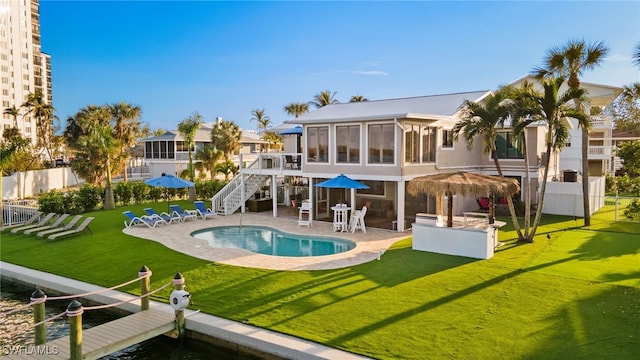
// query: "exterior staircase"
[[229, 199]]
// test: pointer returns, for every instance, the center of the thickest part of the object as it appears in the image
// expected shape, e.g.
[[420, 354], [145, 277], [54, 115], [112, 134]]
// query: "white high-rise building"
[[24, 68]]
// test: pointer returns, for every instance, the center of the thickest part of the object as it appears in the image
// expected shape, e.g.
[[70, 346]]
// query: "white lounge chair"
[[148, 221], [203, 211], [57, 223], [305, 209], [357, 220], [70, 225], [45, 220], [82, 227]]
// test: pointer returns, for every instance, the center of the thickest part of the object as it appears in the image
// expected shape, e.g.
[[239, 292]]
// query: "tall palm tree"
[[636, 55], [554, 108], [188, 128], [261, 118], [45, 120], [570, 61], [208, 157], [358, 98], [274, 142], [323, 99], [14, 112], [226, 136], [296, 109], [126, 128], [483, 120], [227, 168]]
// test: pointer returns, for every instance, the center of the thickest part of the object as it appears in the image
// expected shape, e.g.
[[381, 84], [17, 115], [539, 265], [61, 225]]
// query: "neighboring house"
[[387, 143], [617, 139], [167, 153]]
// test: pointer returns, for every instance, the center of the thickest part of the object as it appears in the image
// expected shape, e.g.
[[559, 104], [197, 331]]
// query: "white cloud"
[[619, 58], [373, 73]]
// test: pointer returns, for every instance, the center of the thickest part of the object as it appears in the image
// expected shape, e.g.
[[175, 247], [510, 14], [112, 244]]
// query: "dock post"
[[38, 297], [74, 313], [178, 284], [145, 285]]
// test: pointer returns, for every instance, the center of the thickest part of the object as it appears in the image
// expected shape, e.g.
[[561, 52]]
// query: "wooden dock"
[[105, 339]]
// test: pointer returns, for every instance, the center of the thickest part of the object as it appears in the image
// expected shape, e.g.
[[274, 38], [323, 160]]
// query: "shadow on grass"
[[602, 326]]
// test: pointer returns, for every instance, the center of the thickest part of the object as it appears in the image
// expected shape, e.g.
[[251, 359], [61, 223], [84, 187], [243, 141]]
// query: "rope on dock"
[[35, 301], [67, 297], [49, 319], [106, 306]]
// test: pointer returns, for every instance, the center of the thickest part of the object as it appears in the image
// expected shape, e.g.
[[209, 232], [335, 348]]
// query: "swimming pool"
[[269, 241]]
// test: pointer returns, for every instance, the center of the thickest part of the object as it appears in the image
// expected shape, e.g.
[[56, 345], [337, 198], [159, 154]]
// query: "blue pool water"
[[269, 241]]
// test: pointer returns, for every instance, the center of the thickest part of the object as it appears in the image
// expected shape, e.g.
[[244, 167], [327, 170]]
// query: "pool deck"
[[369, 245]]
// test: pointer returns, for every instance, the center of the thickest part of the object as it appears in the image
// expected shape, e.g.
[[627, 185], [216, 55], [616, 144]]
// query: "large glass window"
[[381, 144], [412, 143], [159, 150], [420, 143], [509, 146], [447, 139], [318, 144], [428, 144], [348, 144]]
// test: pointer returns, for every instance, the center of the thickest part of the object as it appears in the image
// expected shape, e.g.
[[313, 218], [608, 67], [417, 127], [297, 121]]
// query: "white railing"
[[601, 122], [600, 150], [18, 212]]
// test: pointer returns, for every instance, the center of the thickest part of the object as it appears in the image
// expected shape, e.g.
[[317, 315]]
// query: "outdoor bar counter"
[[471, 235]]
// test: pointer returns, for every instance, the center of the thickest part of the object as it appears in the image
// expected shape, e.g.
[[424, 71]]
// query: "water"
[[268, 241], [15, 330]]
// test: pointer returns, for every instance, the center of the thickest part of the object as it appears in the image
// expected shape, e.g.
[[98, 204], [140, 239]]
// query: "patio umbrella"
[[293, 131], [463, 183], [343, 182], [169, 181]]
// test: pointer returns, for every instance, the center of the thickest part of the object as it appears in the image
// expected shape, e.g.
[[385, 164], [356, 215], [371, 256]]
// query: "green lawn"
[[574, 296]]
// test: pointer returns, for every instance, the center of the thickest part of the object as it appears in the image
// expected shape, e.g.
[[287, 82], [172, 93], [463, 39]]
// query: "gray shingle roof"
[[431, 106]]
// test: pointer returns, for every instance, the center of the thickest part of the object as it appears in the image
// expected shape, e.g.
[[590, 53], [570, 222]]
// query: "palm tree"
[[636, 55], [296, 109], [89, 157], [227, 168], [208, 157], [226, 136], [126, 129], [188, 128], [553, 108], [323, 99], [273, 140], [263, 120], [45, 120], [483, 120], [14, 112], [7, 151], [358, 98], [570, 61]]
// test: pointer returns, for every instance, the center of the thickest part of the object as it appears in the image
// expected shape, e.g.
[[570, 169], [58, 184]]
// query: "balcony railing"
[[599, 151], [601, 122]]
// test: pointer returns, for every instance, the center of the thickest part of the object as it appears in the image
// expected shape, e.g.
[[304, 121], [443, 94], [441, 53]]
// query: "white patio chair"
[[357, 220], [305, 209]]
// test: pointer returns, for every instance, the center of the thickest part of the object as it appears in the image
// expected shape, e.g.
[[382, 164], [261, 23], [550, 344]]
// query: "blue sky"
[[228, 58]]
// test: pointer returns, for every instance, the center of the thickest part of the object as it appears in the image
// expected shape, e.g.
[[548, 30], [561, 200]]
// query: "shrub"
[[206, 189], [89, 197], [140, 191], [155, 193], [52, 201], [123, 192]]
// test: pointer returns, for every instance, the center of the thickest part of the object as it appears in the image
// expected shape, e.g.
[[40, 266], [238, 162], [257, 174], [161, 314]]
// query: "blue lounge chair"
[[148, 221], [176, 210], [70, 225], [163, 215], [45, 220], [57, 223], [203, 211], [82, 227]]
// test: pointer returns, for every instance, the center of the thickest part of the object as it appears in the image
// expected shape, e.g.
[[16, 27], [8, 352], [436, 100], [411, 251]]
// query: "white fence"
[[565, 198], [27, 184]]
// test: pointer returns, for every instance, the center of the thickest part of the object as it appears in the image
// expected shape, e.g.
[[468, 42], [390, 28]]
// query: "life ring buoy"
[[179, 299]]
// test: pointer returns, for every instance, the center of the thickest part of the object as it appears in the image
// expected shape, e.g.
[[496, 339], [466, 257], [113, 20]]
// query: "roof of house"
[[420, 107], [625, 135], [203, 134]]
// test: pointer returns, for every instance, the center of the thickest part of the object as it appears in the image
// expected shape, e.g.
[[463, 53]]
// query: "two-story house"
[[385, 144]]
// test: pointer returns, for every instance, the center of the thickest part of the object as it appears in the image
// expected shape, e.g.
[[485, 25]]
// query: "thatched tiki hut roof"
[[463, 183]]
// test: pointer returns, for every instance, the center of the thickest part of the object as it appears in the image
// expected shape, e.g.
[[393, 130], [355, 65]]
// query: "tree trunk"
[[512, 210], [585, 176], [109, 201], [450, 209]]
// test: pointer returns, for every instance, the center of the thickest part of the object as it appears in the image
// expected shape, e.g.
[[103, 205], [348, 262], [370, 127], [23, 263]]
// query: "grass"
[[574, 296]]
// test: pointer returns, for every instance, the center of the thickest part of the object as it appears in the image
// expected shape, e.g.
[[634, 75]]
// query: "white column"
[[400, 205]]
